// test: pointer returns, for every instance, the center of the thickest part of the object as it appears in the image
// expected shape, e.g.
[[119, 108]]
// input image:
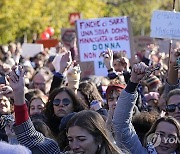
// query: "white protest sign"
[[165, 24], [31, 49], [96, 35]]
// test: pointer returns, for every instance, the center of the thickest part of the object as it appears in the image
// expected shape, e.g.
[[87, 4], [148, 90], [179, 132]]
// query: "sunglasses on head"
[[172, 107], [64, 102]]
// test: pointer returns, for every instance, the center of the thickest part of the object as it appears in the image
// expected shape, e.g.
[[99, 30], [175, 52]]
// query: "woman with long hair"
[[161, 130], [87, 133], [61, 102]]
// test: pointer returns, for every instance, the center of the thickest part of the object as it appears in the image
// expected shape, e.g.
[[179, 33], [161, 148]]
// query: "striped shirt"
[[35, 141]]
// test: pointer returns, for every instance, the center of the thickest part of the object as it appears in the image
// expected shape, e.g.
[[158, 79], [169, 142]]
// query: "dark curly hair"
[[54, 121]]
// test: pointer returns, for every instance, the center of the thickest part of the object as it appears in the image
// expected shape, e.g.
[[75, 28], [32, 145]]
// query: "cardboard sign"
[[96, 35], [165, 24], [31, 49], [48, 43]]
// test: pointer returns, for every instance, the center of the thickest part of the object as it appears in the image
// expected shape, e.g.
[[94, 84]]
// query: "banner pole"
[[171, 41], [174, 1]]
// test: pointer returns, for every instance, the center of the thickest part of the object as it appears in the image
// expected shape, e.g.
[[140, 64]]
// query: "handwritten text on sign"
[[165, 24], [96, 35]]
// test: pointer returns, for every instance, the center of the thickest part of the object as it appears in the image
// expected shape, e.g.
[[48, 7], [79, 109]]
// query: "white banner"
[[96, 35], [165, 24], [31, 49]]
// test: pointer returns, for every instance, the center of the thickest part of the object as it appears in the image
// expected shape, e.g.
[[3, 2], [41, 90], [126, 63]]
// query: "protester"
[[32, 93], [112, 94], [62, 63], [37, 104], [87, 123], [142, 123], [61, 102], [172, 77], [117, 66], [41, 80], [89, 93], [171, 90], [6, 109], [123, 128], [152, 99], [173, 104], [167, 129], [89, 127], [153, 83]]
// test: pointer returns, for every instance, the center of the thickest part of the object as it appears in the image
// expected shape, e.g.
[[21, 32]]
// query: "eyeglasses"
[[172, 107], [64, 102]]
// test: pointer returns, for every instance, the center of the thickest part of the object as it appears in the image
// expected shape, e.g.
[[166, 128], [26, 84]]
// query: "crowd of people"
[[47, 107]]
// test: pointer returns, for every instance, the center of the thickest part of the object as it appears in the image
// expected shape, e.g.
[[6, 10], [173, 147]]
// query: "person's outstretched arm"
[[59, 77], [24, 129], [108, 61], [125, 135], [172, 78]]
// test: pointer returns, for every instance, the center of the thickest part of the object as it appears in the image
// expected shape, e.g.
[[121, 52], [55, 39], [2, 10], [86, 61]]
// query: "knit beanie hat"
[[152, 80]]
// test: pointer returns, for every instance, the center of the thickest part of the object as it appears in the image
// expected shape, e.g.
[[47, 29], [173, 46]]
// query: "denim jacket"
[[125, 135]]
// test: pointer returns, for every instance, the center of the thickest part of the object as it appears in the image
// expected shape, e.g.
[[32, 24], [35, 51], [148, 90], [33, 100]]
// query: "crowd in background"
[[46, 106]]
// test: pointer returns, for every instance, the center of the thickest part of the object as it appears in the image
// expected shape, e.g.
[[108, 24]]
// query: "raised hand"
[[173, 66], [125, 63], [108, 58], [73, 77], [174, 54], [138, 72], [66, 61], [17, 84]]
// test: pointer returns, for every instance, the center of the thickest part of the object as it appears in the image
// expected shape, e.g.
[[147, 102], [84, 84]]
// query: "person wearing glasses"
[[61, 102], [41, 80], [172, 86], [173, 104], [163, 131]]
